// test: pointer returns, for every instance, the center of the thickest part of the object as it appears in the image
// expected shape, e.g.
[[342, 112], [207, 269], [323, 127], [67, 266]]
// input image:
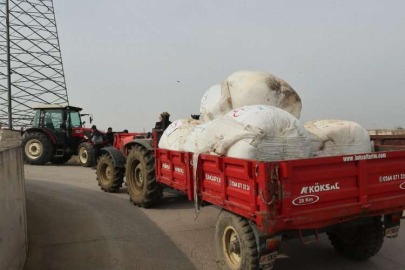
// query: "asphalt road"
[[73, 225]]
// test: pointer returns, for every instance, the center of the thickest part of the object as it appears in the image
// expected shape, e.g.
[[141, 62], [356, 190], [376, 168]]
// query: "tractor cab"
[[57, 117]]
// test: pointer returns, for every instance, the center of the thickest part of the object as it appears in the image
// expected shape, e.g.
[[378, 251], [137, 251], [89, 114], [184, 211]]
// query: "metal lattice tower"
[[31, 69]]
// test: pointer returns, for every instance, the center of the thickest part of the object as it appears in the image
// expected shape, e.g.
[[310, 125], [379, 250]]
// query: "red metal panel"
[[323, 191], [296, 194]]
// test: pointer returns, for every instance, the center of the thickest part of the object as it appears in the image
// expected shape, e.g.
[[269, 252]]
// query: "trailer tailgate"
[[324, 191]]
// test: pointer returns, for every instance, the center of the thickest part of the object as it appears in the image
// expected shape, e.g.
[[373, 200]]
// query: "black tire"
[[109, 177], [143, 189], [358, 243], [37, 148], [235, 243], [85, 153], [60, 160]]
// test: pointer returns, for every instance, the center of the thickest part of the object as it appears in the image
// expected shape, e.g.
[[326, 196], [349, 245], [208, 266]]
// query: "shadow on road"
[[76, 228]]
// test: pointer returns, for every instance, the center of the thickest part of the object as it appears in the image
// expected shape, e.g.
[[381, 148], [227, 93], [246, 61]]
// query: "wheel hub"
[[83, 156], [33, 149], [139, 178], [231, 248], [106, 173]]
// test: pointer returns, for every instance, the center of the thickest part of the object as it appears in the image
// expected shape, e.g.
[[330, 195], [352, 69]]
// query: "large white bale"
[[210, 107], [257, 88], [173, 136], [256, 132], [337, 137]]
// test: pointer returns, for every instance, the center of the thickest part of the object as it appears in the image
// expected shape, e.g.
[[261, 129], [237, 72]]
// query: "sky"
[[127, 61]]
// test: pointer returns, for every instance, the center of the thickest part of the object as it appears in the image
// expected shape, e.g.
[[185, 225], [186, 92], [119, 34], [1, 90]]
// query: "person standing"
[[164, 121], [110, 136], [97, 139]]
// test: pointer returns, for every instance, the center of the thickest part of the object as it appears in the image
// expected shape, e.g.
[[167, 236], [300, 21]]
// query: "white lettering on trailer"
[[213, 178], [166, 166], [402, 185], [179, 170], [239, 185], [305, 200], [320, 188], [389, 178], [364, 157]]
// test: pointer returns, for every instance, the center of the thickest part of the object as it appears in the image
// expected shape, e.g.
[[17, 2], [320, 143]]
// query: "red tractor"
[[57, 133]]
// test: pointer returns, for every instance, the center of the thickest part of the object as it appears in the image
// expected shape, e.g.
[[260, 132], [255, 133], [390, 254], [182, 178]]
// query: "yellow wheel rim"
[[33, 149]]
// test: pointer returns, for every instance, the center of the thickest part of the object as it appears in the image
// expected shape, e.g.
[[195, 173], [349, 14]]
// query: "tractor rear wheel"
[[109, 176], [235, 243], [37, 148], [60, 160], [360, 242], [85, 153], [143, 189]]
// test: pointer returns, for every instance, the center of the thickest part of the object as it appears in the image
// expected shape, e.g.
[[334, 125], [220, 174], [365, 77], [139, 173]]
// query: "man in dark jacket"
[[97, 139], [164, 121], [110, 136]]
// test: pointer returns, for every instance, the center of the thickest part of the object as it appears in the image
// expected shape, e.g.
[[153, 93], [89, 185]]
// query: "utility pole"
[[10, 110], [31, 68]]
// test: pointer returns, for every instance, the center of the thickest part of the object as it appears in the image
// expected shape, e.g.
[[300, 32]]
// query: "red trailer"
[[356, 199], [388, 140]]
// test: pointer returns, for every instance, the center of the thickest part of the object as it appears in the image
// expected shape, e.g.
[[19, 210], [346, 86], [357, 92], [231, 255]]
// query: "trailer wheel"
[[85, 153], [60, 160], [235, 243], [109, 177], [143, 189], [360, 242], [37, 148]]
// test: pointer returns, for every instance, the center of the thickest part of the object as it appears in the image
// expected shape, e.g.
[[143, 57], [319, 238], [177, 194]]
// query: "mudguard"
[[45, 131], [147, 143], [116, 155]]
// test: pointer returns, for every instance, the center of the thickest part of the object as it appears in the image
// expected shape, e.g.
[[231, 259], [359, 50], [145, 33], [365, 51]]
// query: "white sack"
[[210, 107], [257, 88], [256, 132], [337, 137], [177, 131]]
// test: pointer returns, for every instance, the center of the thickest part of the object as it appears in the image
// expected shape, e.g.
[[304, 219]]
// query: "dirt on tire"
[[143, 189], [246, 243], [109, 177], [89, 160], [41, 152]]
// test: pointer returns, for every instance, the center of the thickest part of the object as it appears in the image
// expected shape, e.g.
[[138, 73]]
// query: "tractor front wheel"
[[37, 148], [143, 189], [109, 176], [85, 153]]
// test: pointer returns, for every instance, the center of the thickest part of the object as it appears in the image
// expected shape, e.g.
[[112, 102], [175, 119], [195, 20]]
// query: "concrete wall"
[[13, 222]]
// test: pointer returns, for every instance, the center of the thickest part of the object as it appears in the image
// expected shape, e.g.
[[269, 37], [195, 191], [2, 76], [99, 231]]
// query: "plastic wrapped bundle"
[[173, 136], [337, 137], [210, 107], [257, 88], [256, 132], [249, 88]]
